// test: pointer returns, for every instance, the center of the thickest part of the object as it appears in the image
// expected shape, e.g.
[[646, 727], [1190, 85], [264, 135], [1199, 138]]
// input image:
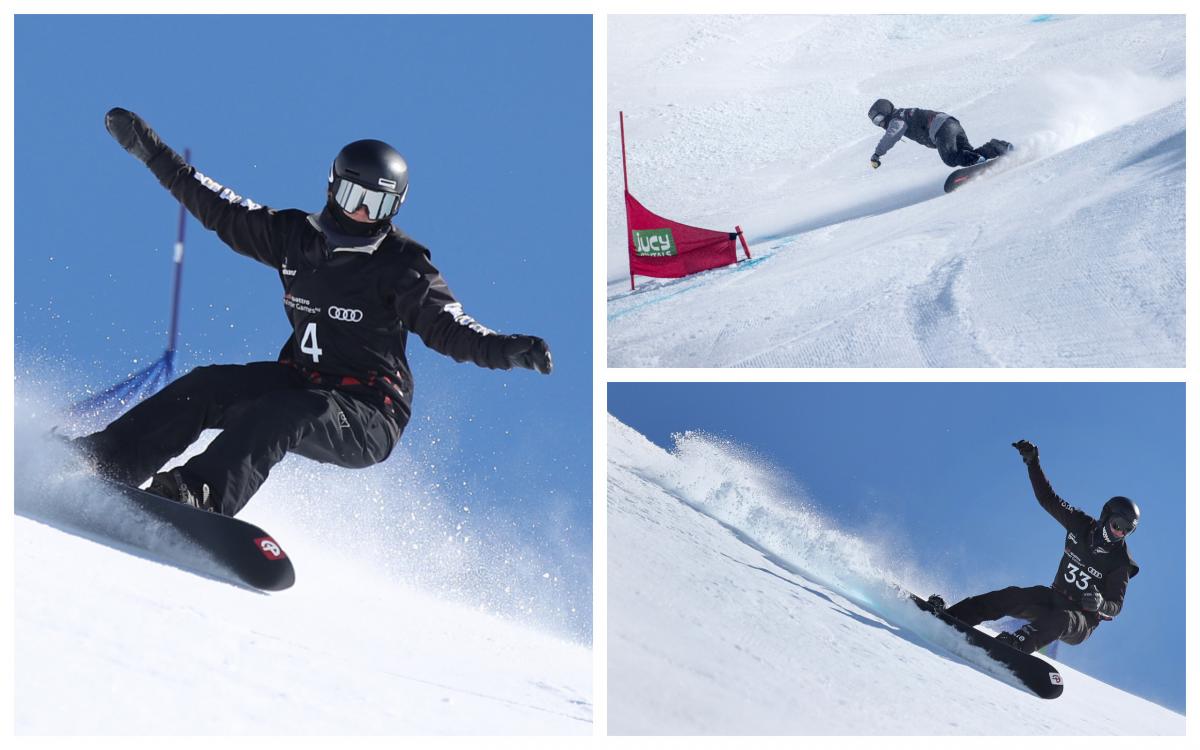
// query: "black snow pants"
[[953, 146], [957, 151], [263, 409], [1051, 615]]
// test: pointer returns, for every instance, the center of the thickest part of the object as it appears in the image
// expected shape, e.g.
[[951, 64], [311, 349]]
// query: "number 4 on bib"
[[309, 344]]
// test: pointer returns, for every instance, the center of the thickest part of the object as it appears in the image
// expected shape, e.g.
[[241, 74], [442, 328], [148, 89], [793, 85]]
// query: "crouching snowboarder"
[[341, 390], [933, 130], [1091, 580]]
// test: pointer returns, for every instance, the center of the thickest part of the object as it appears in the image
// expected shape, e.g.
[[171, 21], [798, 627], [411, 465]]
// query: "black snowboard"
[[960, 177], [242, 549], [1035, 673]]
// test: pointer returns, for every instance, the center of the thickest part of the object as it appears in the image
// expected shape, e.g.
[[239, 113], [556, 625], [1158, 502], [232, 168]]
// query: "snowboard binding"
[[994, 148]]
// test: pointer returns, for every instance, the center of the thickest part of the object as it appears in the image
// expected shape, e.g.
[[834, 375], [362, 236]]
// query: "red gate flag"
[[663, 248]]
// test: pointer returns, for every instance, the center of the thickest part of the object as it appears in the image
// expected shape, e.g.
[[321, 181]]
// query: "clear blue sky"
[[934, 462], [494, 117]]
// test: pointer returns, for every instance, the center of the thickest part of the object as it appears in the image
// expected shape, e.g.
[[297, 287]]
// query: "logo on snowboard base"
[[270, 548]]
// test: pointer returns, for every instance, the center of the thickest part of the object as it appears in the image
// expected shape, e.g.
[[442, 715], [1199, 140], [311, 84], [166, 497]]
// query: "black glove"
[[875, 161], [134, 135], [1091, 601], [1028, 451], [529, 352]]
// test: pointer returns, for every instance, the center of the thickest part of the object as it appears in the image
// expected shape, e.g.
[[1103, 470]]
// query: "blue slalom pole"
[[173, 331]]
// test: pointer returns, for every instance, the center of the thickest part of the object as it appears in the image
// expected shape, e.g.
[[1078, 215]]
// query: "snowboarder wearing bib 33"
[[341, 390], [1089, 586], [933, 130]]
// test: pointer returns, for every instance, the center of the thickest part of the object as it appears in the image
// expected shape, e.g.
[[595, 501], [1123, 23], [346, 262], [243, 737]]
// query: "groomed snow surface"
[[112, 639], [734, 611], [1072, 256]]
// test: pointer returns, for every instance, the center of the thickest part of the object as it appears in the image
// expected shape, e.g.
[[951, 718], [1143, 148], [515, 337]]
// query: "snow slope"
[[730, 613], [111, 640], [1072, 256]]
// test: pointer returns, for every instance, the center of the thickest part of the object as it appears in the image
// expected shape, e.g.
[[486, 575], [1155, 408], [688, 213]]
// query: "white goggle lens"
[[380, 205]]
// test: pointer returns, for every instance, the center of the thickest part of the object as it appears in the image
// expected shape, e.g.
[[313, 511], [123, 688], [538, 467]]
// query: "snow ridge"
[[379, 635], [761, 617]]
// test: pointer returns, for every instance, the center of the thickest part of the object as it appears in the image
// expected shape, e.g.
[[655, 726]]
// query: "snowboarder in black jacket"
[[933, 130], [1089, 586], [340, 391]]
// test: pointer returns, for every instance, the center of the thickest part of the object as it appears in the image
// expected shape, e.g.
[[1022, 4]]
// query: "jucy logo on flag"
[[654, 242]]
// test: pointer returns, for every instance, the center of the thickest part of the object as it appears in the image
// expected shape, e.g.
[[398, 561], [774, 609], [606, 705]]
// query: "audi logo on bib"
[[345, 314]]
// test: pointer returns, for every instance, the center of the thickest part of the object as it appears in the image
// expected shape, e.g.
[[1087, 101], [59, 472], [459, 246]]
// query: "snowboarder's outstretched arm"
[[442, 324], [248, 227], [895, 131], [1069, 517]]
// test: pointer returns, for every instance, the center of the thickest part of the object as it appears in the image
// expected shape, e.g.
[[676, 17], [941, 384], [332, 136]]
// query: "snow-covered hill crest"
[[391, 627], [760, 618]]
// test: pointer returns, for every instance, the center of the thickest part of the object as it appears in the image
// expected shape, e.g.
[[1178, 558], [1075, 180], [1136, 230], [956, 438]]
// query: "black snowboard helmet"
[[1118, 518], [880, 111], [369, 173]]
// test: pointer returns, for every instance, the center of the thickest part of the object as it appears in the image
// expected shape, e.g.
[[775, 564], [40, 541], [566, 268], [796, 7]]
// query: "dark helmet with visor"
[[369, 173], [1118, 518], [880, 111]]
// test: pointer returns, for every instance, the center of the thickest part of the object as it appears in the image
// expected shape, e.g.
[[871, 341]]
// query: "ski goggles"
[[877, 119], [1121, 526], [351, 196]]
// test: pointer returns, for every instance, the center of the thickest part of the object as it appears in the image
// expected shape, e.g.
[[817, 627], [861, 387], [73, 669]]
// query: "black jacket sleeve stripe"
[[442, 324], [1053, 504], [248, 227]]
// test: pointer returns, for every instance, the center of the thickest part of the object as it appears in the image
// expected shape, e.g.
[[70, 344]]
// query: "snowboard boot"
[[994, 148], [174, 486], [1021, 639], [936, 603]]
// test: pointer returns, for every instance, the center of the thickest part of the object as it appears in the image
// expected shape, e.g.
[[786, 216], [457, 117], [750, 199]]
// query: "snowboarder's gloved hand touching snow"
[[875, 161], [139, 139], [1028, 451], [529, 352], [1091, 601]]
